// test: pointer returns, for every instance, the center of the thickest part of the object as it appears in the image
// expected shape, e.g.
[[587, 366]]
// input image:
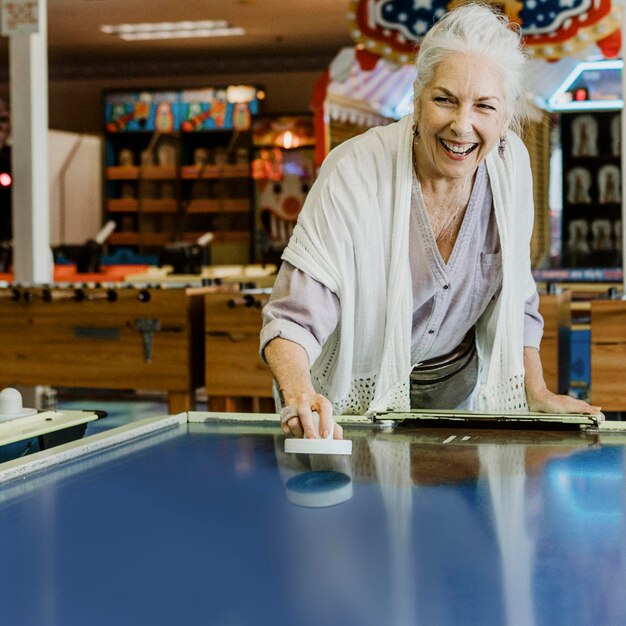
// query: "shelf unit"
[[216, 186], [178, 165]]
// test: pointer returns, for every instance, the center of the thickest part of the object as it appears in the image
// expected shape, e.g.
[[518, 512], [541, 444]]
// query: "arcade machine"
[[187, 257], [283, 169], [585, 203], [88, 255]]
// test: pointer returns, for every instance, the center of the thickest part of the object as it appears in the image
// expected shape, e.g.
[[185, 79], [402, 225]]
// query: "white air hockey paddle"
[[318, 446], [11, 405]]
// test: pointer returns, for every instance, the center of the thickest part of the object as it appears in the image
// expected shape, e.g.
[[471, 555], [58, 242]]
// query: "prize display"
[[591, 220]]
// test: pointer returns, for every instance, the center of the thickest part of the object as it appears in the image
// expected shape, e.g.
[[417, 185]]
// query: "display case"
[[178, 165], [591, 224], [585, 163]]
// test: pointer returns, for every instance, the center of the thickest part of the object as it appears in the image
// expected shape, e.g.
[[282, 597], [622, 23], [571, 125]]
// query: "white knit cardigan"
[[353, 236]]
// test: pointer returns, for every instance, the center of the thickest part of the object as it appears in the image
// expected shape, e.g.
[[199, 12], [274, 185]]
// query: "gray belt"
[[445, 381]]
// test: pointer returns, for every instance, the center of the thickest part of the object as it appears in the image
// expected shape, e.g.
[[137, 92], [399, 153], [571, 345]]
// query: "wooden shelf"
[[139, 239], [148, 205], [161, 239], [147, 172], [121, 205], [191, 172], [226, 205], [119, 172]]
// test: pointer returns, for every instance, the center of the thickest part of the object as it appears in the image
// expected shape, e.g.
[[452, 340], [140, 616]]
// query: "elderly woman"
[[407, 282]]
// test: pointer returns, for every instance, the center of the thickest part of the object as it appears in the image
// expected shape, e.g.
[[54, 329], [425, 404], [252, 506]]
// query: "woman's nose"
[[462, 123]]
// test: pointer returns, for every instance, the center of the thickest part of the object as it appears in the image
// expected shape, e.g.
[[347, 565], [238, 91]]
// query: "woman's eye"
[[442, 99], [486, 107]]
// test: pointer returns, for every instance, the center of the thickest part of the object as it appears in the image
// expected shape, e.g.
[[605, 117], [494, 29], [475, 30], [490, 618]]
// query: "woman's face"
[[462, 115]]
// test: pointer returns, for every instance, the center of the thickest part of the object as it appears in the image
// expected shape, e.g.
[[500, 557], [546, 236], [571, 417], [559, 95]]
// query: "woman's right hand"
[[290, 366], [297, 420]]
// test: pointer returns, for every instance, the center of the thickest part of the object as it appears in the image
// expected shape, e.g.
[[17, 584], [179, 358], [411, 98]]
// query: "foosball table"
[[98, 337]]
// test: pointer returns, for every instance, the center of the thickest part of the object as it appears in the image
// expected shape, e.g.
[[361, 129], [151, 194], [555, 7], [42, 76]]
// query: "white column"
[[28, 70]]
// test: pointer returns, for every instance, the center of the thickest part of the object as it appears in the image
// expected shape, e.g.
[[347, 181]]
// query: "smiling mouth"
[[457, 150]]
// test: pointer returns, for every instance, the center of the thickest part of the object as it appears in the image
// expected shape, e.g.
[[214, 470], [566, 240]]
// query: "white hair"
[[476, 28]]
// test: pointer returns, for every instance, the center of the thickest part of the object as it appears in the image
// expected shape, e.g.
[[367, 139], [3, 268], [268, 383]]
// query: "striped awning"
[[380, 89]]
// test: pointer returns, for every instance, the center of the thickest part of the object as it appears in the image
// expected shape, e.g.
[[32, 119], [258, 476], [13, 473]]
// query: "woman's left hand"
[[547, 402], [540, 398]]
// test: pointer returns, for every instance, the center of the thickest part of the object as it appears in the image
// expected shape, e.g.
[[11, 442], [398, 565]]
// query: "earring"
[[501, 146]]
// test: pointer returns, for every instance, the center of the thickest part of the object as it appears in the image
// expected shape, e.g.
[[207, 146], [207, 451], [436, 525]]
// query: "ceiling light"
[[172, 30]]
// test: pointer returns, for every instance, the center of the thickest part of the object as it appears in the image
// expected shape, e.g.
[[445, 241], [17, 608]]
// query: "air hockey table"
[[203, 519]]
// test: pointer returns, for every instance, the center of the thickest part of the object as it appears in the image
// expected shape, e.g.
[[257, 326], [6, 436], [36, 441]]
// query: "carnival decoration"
[[551, 28], [283, 169]]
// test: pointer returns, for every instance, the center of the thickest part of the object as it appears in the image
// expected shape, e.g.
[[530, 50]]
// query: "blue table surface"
[[192, 526]]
